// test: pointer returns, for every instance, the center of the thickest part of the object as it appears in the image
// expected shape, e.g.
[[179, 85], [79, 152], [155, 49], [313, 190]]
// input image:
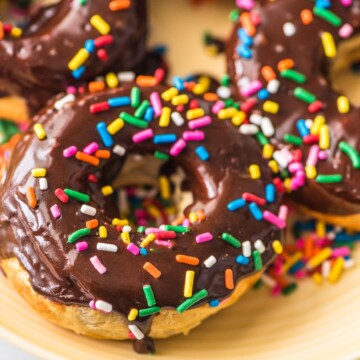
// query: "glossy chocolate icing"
[[35, 66], [305, 48], [60, 273]]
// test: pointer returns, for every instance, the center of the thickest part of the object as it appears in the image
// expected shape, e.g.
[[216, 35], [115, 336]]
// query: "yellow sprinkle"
[[100, 24], [212, 50], [133, 313], [164, 187], [165, 117], [273, 165], [199, 89], [79, 59], [180, 100], [103, 232], [171, 210], [205, 81], [167, 95], [310, 171], [277, 246], [227, 113], [343, 104], [125, 237], [119, 222], [254, 171], [324, 140], [320, 229], [239, 118], [112, 80], [328, 44], [115, 126], [189, 283], [39, 131], [268, 150], [153, 211], [107, 190], [193, 218], [38, 172], [287, 185], [271, 107], [292, 261], [319, 258], [148, 239], [319, 121], [195, 113], [16, 32], [336, 270], [318, 279]]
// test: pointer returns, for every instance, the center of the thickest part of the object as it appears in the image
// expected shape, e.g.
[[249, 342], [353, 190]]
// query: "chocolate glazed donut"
[[280, 58], [42, 223], [36, 65]]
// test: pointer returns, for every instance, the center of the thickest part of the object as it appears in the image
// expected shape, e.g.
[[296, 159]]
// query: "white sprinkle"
[[243, 82], [280, 159], [289, 29], [106, 247], [349, 263], [267, 127], [99, 78], [255, 119], [308, 123], [119, 150], [223, 92], [210, 261], [239, 68], [259, 245], [103, 306], [88, 210], [273, 86], [246, 247], [65, 100], [331, 235], [43, 184], [126, 76], [177, 118], [268, 281], [136, 332], [249, 129], [325, 269], [126, 228]]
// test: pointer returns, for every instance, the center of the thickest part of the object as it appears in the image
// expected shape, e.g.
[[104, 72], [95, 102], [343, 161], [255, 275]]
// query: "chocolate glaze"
[[35, 66], [305, 48], [60, 273]]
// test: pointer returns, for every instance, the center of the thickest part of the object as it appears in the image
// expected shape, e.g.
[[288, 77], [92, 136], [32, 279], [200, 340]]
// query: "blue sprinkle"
[[270, 193], [105, 136], [78, 73], [242, 260], [143, 252], [244, 37], [255, 211], [296, 267], [302, 128], [89, 46], [202, 153], [178, 83], [149, 114], [119, 101], [160, 49], [236, 204], [324, 4], [244, 51], [164, 138], [263, 94], [214, 303]]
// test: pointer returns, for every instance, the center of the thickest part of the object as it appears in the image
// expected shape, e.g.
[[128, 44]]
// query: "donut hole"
[[345, 69]]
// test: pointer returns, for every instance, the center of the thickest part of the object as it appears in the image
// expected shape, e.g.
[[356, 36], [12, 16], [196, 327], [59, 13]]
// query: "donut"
[[69, 254], [283, 59], [65, 42]]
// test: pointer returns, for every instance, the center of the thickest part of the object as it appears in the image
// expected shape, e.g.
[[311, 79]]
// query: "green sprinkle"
[[76, 195], [257, 260], [287, 290], [351, 153], [257, 285], [7, 130], [234, 15], [141, 229], [177, 229], [229, 103], [231, 240], [149, 294], [161, 156], [236, 105], [329, 179], [293, 75], [284, 173], [327, 15], [293, 139], [191, 301], [140, 111], [261, 138], [304, 95], [149, 311], [207, 38], [132, 120], [76, 235], [135, 97], [225, 80]]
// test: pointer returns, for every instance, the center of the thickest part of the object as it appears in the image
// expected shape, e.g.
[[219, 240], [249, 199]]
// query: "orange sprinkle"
[[1, 30], [146, 81], [279, 279], [179, 220], [268, 73], [31, 197], [190, 260], [308, 247], [200, 214], [87, 158], [152, 270], [229, 279], [117, 5], [285, 64], [95, 86], [247, 24], [306, 17], [211, 97], [92, 224], [103, 154], [190, 85]]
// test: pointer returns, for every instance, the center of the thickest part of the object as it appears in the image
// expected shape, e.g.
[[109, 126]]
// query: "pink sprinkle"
[[159, 75], [273, 219], [92, 304], [91, 148], [98, 265], [276, 290], [143, 135], [313, 155], [60, 194], [193, 135], [151, 230], [294, 167], [300, 274], [300, 243], [219, 105], [346, 2], [245, 4], [283, 212], [204, 237], [199, 123], [71, 90], [186, 223], [81, 246], [180, 108], [285, 152], [156, 103], [341, 251], [133, 249], [323, 155], [70, 151], [345, 31], [251, 89], [169, 244], [55, 211], [178, 147]]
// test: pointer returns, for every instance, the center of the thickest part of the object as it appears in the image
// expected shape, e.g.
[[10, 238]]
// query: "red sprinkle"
[[298, 155], [253, 198], [103, 40], [248, 104], [159, 75], [102, 54], [165, 235], [279, 185], [315, 106], [92, 178], [311, 139], [194, 104], [59, 193], [99, 107]]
